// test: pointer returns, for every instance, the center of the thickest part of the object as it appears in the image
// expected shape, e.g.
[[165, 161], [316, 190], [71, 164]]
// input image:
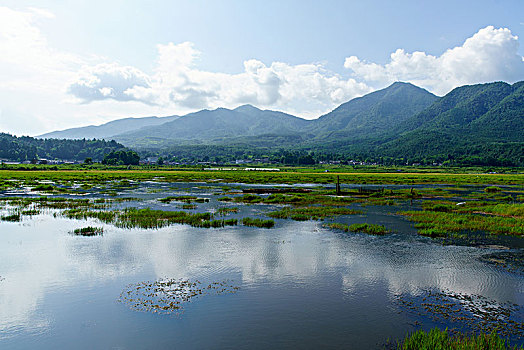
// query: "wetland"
[[200, 260]]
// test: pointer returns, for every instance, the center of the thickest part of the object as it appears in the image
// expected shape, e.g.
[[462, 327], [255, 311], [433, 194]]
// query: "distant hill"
[[108, 130], [28, 148], [214, 126], [372, 114], [474, 124], [471, 123]]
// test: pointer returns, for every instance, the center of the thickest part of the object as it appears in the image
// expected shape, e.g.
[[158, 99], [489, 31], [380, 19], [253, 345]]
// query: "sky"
[[86, 62]]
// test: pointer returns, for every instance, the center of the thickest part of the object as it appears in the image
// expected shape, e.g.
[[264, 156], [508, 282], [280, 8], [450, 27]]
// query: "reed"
[[370, 229], [89, 231], [438, 339], [311, 213], [258, 222]]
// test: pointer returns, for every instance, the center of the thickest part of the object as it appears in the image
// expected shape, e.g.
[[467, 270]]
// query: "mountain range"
[[401, 121]]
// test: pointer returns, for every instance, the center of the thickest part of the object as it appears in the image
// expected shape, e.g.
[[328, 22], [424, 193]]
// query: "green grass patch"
[[142, 218], [370, 229], [185, 199], [441, 340], [492, 189], [450, 222], [311, 213], [226, 211], [258, 222], [30, 212], [89, 231], [15, 217], [43, 187]]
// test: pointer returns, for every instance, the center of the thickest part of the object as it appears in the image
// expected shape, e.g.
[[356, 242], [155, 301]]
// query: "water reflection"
[[45, 270]]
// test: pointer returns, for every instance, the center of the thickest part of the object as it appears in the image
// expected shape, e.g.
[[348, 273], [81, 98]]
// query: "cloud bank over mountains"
[[64, 87], [489, 55]]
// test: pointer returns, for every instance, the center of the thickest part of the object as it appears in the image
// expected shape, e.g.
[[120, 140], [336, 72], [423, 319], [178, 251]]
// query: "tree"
[[121, 157], [88, 160]]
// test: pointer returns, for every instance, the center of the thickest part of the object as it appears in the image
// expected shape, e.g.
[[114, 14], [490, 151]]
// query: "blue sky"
[[88, 62]]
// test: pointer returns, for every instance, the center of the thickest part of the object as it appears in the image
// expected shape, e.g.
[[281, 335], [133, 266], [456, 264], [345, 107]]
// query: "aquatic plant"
[[311, 213], [186, 199], [43, 187], [12, 217], [455, 222], [30, 212], [371, 229], [166, 296], [88, 231], [258, 222], [492, 189], [226, 211], [188, 206], [438, 339]]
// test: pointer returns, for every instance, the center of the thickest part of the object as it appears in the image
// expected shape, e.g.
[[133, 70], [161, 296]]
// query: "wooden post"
[[338, 185]]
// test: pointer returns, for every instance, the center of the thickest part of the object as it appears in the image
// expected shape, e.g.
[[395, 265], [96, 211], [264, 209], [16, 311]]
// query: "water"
[[301, 285]]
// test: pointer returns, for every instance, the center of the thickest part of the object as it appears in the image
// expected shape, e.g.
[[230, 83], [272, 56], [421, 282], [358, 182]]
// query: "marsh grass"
[[123, 176], [185, 199], [441, 340], [455, 222], [226, 211], [89, 231], [143, 218], [311, 213], [15, 217], [370, 229], [30, 212], [188, 206], [258, 222], [43, 187]]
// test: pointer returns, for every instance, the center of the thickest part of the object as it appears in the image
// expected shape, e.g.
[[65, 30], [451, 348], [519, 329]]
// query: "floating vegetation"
[[371, 229], [226, 211], [188, 206], [324, 197], [258, 222], [225, 199], [450, 222], [15, 217], [431, 232], [512, 261], [438, 339], [492, 189], [56, 202], [311, 213], [186, 199], [218, 223], [30, 212], [167, 296], [43, 187], [89, 231], [142, 218], [467, 312]]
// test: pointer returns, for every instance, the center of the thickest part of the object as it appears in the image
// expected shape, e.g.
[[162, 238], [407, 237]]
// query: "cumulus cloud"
[[177, 83], [490, 54], [111, 81]]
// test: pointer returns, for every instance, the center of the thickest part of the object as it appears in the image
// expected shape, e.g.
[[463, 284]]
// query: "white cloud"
[[105, 81], [176, 83], [489, 55]]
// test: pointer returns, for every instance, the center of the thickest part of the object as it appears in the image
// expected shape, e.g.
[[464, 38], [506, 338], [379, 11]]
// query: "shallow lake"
[[297, 285]]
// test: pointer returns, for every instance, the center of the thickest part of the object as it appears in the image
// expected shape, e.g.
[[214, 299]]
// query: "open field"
[[242, 176]]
